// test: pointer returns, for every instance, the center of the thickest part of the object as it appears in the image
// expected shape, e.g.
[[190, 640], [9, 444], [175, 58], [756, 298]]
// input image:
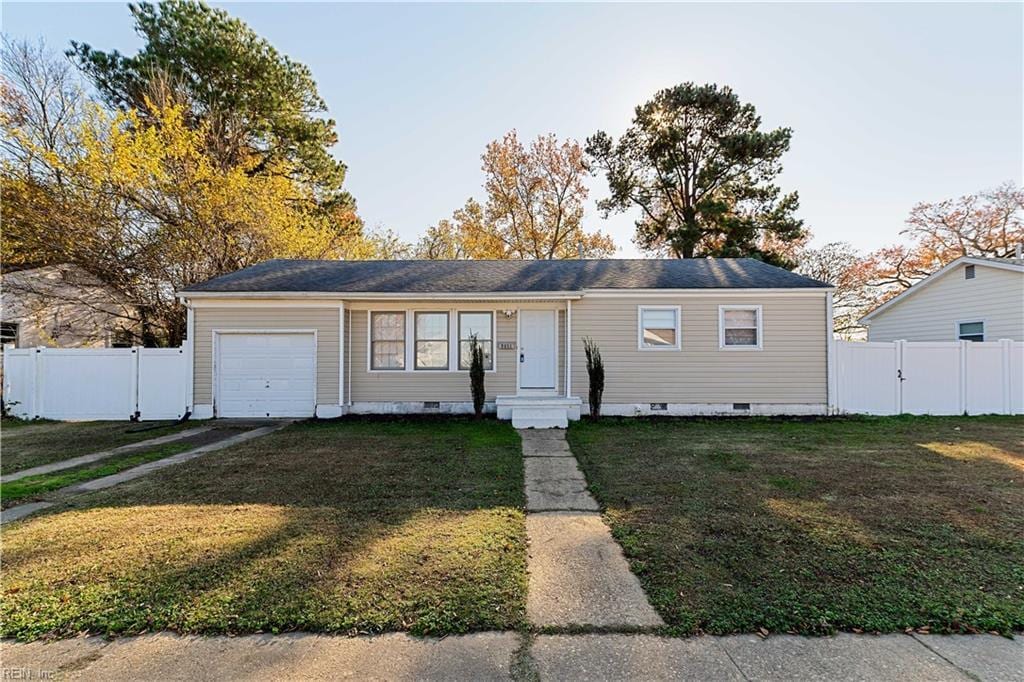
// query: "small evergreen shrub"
[[595, 370], [476, 375]]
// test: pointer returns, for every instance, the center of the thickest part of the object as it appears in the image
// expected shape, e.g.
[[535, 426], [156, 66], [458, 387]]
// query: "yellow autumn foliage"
[[139, 202]]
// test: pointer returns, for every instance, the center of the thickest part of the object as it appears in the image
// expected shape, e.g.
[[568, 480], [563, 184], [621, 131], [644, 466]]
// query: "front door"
[[538, 349]]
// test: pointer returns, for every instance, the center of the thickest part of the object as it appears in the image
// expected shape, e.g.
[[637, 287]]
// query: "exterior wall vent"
[[969, 272], [431, 405], [659, 407], [741, 406]]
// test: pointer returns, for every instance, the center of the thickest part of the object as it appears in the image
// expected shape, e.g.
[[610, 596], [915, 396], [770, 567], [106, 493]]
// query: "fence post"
[[962, 383], [898, 349], [1006, 348], [136, 352]]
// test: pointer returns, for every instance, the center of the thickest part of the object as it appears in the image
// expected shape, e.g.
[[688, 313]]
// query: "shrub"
[[595, 370], [476, 375]]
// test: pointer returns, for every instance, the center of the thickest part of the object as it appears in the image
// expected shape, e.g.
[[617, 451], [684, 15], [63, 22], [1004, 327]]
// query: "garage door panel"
[[269, 374]]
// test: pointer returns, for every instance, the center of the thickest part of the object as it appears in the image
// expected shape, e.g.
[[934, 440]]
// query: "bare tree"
[[41, 101], [839, 264]]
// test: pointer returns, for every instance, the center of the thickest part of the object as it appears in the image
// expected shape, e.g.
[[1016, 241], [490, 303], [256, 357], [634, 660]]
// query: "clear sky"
[[890, 104]]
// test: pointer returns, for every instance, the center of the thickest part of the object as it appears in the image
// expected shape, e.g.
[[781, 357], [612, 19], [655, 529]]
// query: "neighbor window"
[[969, 272], [8, 333], [739, 327], [659, 327], [387, 340], [480, 325], [431, 340], [970, 331]]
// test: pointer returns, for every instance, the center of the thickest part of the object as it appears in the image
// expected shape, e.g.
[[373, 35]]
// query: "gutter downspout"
[[568, 349]]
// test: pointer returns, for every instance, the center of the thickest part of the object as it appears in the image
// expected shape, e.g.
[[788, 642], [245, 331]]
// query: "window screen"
[[480, 325], [387, 341], [740, 327]]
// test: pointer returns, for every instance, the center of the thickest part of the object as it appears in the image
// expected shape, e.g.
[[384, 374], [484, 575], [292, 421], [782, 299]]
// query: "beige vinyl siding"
[[995, 295], [791, 368], [272, 316], [422, 385]]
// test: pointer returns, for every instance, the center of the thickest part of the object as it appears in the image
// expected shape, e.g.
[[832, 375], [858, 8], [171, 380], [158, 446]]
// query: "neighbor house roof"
[[999, 263], [500, 276]]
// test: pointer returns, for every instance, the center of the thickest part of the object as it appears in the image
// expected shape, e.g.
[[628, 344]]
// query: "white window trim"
[[975, 320], [640, 327], [410, 333], [447, 340], [721, 327], [17, 334], [369, 341], [458, 340]]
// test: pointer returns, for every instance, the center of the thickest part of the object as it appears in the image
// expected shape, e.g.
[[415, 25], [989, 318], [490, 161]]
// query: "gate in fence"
[[941, 378], [96, 383]]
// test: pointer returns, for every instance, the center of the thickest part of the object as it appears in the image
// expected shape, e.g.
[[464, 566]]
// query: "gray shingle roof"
[[507, 276]]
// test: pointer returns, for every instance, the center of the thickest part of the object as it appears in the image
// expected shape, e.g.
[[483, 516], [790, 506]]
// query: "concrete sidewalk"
[[513, 656], [578, 576]]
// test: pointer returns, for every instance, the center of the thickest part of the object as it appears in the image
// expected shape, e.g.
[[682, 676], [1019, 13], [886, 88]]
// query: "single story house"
[[970, 299], [59, 306], [295, 338]]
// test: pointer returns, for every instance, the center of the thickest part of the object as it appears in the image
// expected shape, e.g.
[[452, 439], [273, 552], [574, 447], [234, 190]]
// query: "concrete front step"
[[538, 412], [539, 418]]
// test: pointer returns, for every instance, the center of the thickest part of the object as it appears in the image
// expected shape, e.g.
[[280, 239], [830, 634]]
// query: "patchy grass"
[[874, 524], [27, 444], [344, 526], [34, 486]]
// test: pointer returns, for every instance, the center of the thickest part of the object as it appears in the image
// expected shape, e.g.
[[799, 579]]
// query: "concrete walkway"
[[96, 456], [578, 576], [22, 510], [511, 656]]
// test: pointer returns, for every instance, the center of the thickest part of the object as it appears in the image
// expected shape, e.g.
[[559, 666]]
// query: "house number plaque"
[[506, 345]]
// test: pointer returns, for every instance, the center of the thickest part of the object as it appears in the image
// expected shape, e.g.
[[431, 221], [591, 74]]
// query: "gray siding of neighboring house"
[[791, 368], [60, 306], [995, 295]]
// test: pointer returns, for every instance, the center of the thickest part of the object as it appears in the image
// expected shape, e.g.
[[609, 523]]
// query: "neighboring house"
[[60, 306], [970, 299], [714, 336]]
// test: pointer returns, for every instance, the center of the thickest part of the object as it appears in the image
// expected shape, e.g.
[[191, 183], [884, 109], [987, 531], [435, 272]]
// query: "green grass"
[[34, 486], [346, 526], [28, 444], [874, 524]]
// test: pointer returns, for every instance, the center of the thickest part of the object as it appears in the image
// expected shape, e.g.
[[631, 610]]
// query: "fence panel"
[[983, 378], [162, 383], [86, 383], [96, 383], [866, 377], [1016, 379], [19, 381], [931, 378]]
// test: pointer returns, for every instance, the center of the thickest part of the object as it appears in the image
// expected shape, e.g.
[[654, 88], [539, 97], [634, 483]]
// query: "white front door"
[[266, 375], [538, 350]]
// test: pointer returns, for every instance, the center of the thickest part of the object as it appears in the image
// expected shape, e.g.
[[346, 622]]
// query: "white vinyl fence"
[[904, 377], [898, 377], [96, 383]]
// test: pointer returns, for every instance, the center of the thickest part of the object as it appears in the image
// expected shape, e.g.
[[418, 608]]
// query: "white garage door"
[[266, 375]]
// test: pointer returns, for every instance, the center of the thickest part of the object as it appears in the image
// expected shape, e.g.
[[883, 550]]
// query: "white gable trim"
[[932, 278]]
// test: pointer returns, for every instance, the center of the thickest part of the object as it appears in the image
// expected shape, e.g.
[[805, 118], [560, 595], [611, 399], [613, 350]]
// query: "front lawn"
[[343, 526], [27, 444], [875, 524]]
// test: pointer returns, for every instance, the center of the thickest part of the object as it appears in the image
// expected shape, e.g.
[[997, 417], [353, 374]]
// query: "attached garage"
[[265, 374]]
